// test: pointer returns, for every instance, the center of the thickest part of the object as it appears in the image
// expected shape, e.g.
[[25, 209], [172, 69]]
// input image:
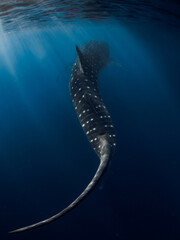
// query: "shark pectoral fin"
[[115, 63]]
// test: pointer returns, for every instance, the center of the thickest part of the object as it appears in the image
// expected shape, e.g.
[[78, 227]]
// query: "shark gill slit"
[[104, 151]]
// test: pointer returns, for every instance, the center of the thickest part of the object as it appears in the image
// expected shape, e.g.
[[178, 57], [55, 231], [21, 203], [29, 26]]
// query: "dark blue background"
[[45, 158]]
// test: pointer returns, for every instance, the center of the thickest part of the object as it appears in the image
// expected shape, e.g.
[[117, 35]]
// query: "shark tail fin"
[[104, 162]]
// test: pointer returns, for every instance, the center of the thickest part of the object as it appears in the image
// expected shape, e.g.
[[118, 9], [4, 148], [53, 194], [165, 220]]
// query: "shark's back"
[[92, 114], [90, 108]]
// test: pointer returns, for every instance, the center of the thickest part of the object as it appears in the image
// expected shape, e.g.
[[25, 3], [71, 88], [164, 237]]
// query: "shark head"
[[92, 56]]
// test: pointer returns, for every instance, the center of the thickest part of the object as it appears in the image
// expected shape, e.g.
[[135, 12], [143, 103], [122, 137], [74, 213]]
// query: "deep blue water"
[[45, 158]]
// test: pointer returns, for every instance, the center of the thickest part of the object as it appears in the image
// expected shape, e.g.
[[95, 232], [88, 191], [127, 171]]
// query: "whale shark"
[[92, 113]]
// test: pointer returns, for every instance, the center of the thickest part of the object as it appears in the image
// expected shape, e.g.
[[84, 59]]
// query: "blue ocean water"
[[45, 158]]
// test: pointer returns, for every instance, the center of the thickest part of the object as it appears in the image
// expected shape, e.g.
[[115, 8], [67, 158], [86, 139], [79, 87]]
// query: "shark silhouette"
[[92, 113]]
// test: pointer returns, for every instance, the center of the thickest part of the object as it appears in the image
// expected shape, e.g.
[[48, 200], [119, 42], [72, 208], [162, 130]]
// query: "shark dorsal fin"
[[81, 59]]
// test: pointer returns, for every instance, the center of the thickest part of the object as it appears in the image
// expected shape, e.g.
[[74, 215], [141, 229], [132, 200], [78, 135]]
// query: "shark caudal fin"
[[104, 161]]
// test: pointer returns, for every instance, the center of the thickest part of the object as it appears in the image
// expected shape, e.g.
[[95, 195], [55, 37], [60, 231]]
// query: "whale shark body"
[[92, 113]]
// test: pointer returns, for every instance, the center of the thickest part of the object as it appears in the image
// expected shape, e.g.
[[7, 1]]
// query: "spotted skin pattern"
[[92, 113]]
